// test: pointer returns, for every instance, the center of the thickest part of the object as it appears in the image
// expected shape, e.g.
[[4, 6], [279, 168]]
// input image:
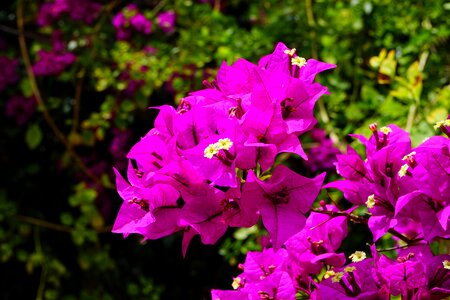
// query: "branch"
[[76, 106], [54, 226], [351, 217], [37, 95]]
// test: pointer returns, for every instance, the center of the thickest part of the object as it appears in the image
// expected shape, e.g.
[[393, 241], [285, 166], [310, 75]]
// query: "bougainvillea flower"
[[282, 200], [237, 213], [354, 281], [376, 182], [148, 155], [166, 21], [152, 212], [128, 20], [405, 276], [52, 63], [236, 79], [203, 212], [281, 60], [9, 71], [78, 10], [316, 244], [267, 131], [422, 208], [433, 169], [134, 213], [263, 277]]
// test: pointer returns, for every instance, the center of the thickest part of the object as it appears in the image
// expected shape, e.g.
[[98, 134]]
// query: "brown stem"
[[43, 223], [54, 226], [107, 9], [407, 240], [362, 220], [393, 248], [353, 218], [37, 95], [76, 106]]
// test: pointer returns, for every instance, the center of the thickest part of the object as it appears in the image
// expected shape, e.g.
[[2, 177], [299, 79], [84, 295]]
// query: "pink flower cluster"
[[130, 19], [406, 191], [78, 10], [209, 164], [9, 73], [404, 188], [55, 61], [297, 270]]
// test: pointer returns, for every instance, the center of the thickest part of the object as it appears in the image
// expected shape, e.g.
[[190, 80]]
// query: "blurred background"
[[77, 78]]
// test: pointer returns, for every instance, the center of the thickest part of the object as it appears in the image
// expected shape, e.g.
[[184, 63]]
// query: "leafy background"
[[57, 196]]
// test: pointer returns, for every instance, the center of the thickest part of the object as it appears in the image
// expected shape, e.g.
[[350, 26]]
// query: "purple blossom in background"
[[8, 75], [323, 156], [78, 10], [119, 142], [52, 63], [166, 21], [131, 19], [20, 108]]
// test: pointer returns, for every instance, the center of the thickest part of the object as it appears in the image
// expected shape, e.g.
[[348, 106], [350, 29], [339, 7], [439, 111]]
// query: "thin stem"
[[54, 226], [309, 13], [402, 237], [411, 116], [158, 7], [42, 279], [107, 9], [43, 223], [362, 220], [76, 106], [37, 95], [351, 217], [393, 248], [314, 54], [413, 108]]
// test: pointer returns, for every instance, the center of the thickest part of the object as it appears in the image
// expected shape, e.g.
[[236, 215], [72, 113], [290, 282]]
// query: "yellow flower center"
[[236, 283], [298, 61], [385, 130], [224, 144], [221, 144], [337, 277], [349, 269], [442, 123], [358, 256], [370, 201], [210, 151], [328, 274], [403, 170], [290, 52], [446, 264]]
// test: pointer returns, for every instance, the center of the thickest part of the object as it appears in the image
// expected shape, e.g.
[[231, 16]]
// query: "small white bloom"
[[290, 52], [403, 170], [386, 130], [298, 61], [370, 201], [210, 151], [358, 256]]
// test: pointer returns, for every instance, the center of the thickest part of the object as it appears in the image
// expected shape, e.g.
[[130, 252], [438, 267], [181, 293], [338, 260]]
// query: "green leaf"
[[25, 87], [33, 136]]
